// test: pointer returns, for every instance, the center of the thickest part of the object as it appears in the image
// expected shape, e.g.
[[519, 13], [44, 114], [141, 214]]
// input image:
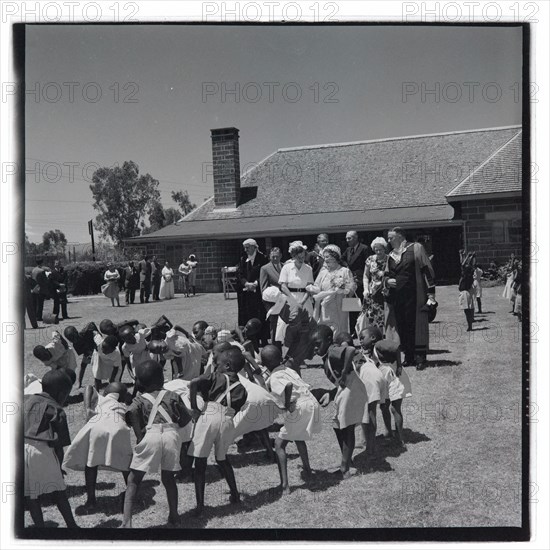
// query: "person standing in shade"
[[410, 281], [192, 263], [269, 276], [30, 284], [354, 258], [156, 276], [132, 282], [249, 294], [58, 280], [315, 257], [144, 280], [43, 289]]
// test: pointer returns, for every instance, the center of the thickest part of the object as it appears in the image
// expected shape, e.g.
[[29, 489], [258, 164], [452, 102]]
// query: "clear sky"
[[153, 109]]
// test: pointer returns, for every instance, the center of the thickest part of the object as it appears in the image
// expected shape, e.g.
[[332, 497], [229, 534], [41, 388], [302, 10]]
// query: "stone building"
[[450, 191]]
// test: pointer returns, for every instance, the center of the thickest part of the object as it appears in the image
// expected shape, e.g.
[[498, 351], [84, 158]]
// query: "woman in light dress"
[[296, 277], [167, 283], [110, 289], [332, 285], [185, 270]]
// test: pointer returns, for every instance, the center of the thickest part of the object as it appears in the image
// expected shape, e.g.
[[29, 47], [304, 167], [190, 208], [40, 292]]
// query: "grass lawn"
[[462, 466]]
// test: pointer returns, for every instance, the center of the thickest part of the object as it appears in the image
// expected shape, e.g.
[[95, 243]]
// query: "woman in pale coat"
[[167, 283]]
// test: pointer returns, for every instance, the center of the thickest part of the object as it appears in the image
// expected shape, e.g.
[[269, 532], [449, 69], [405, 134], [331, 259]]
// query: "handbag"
[[352, 304]]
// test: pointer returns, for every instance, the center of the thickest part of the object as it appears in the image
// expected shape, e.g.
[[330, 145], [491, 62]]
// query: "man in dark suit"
[[155, 278], [354, 257], [249, 294], [58, 281], [144, 280], [269, 276], [43, 290], [315, 257]]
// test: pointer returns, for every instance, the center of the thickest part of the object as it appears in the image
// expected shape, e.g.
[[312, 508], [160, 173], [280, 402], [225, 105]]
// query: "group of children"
[[223, 388]]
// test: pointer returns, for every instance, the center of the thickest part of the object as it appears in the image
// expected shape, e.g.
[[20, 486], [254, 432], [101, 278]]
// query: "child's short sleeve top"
[[45, 420], [280, 377]]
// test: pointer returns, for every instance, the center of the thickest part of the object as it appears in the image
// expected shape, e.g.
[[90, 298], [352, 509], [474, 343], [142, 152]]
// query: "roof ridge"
[[195, 210], [381, 140], [488, 159]]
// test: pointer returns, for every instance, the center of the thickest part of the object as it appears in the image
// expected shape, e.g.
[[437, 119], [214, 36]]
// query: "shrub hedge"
[[85, 278]]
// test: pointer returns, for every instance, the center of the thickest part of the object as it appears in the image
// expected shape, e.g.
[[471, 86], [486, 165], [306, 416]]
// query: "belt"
[[296, 289]]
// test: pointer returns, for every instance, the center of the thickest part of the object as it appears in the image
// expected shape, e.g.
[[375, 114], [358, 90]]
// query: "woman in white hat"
[[296, 276], [333, 283]]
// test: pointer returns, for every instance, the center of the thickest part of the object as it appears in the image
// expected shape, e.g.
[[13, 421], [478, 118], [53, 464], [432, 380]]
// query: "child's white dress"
[[104, 364], [305, 421], [259, 411], [189, 352], [104, 441], [137, 352], [60, 355]]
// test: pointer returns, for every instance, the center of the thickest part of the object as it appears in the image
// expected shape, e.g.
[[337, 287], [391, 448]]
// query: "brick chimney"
[[226, 167]]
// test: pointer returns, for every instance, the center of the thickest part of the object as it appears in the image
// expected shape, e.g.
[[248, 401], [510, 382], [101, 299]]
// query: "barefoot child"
[[106, 359], [156, 416], [104, 441], [224, 396], [350, 396], [46, 433], [302, 416], [375, 384], [386, 354]]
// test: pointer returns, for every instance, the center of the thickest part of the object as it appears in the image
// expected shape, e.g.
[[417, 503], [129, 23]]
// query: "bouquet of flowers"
[[338, 283]]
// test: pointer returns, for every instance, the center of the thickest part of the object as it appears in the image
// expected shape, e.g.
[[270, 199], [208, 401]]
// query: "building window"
[[506, 231]]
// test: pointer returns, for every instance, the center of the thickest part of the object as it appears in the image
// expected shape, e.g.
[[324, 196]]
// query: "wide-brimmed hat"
[[250, 242], [271, 293]]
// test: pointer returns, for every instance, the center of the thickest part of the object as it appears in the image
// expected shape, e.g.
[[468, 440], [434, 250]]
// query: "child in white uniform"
[[374, 381], [104, 442], [386, 354], [302, 416], [156, 416], [56, 353], [224, 396], [106, 359], [46, 433]]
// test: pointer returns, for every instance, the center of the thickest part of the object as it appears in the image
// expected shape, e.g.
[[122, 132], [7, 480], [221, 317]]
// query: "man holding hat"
[[249, 294]]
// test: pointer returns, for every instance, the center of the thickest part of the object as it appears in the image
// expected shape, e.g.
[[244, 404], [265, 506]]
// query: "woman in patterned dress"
[[373, 278], [333, 283]]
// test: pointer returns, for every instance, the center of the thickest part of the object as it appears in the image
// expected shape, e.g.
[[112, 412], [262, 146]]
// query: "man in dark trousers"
[[410, 280], [144, 280], [43, 292], [315, 257], [249, 294], [58, 281], [155, 278], [29, 300], [354, 258], [269, 276]]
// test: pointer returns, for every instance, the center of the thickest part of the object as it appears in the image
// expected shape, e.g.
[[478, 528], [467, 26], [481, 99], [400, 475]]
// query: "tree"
[[181, 198], [33, 249], [172, 215], [123, 198], [54, 242]]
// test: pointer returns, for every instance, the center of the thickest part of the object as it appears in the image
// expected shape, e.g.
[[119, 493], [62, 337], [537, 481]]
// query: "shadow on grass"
[[74, 491], [74, 399], [442, 363], [438, 351], [109, 524], [255, 458]]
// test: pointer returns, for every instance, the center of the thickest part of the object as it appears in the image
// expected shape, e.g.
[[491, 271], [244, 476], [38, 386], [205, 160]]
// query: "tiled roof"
[[501, 173], [389, 181]]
